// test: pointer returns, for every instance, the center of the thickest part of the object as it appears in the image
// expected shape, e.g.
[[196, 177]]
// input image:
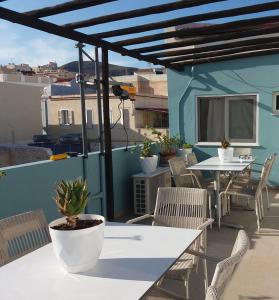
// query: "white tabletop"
[[214, 164], [132, 259]]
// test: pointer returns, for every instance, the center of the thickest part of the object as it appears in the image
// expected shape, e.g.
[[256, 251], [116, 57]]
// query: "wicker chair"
[[225, 268], [247, 189], [22, 234], [246, 179], [183, 208], [185, 178]]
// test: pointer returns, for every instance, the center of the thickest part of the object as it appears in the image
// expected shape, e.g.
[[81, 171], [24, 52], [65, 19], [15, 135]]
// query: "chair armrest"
[[205, 256], [135, 220], [205, 224]]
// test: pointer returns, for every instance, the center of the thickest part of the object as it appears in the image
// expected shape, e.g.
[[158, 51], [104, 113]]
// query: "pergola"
[[189, 45]]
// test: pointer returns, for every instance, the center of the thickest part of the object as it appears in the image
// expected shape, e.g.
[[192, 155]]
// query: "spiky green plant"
[[71, 198], [2, 173], [225, 144]]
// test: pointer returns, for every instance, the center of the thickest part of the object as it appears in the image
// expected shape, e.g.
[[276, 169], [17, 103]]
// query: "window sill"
[[205, 144]]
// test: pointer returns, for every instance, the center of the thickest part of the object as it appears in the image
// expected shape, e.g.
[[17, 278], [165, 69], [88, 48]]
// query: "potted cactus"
[[225, 153], [77, 238], [167, 146], [148, 161]]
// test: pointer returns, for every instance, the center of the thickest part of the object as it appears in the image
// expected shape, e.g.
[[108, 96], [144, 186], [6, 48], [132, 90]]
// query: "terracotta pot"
[[165, 157]]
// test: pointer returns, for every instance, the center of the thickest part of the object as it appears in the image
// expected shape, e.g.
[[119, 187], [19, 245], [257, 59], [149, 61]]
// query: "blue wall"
[[31, 186], [242, 76]]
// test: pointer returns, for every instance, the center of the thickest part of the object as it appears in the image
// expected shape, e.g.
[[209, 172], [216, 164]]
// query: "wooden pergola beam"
[[211, 59], [21, 18], [64, 7], [230, 45], [274, 28], [222, 52], [205, 30], [191, 19], [139, 13]]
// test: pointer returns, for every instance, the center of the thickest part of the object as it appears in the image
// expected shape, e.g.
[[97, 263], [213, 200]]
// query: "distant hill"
[[89, 68]]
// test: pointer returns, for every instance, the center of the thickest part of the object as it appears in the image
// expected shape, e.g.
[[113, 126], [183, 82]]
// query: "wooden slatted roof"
[[178, 42]]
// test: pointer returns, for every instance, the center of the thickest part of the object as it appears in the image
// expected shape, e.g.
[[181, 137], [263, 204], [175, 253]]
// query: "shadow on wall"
[[203, 81]]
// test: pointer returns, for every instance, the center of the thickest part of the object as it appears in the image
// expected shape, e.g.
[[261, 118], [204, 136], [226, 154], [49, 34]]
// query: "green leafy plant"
[[167, 143], [2, 173], [145, 149], [225, 144], [71, 199], [187, 146]]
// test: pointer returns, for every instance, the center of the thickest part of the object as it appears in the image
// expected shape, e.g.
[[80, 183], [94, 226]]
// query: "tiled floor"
[[257, 276]]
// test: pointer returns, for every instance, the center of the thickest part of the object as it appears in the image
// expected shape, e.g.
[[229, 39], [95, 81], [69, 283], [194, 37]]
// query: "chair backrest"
[[178, 168], [242, 151], [21, 234], [266, 171], [225, 268], [180, 207], [191, 160]]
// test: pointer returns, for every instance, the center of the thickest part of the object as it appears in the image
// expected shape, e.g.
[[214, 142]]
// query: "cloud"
[[34, 50]]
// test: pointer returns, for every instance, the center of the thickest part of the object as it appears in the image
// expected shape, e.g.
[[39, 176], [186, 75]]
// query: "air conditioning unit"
[[145, 189]]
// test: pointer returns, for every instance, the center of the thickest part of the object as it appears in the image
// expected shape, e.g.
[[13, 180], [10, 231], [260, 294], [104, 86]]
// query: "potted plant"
[[148, 161], [183, 148], [188, 148], [167, 146], [77, 238], [2, 173], [225, 153]]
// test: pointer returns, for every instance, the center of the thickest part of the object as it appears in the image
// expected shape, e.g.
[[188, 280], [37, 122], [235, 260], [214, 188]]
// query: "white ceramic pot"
[[188, 150], [78, 250], [225, 155], [149, 164]]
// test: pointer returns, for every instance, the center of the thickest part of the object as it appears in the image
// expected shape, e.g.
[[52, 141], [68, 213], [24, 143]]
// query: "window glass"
[[211, 119], [241, 120], [230, 117]]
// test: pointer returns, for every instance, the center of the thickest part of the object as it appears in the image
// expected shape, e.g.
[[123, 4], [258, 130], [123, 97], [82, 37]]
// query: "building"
[[236, 99], [20, 107], [61, 113]]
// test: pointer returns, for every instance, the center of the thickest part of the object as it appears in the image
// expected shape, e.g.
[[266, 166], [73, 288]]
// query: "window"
[[65, 117], [89, 118], [275, 105], [149, 118], [125, 117], [230, 117]]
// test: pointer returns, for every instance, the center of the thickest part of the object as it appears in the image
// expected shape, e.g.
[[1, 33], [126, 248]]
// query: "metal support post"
[[80, 79], [99, 101], [107, 136]]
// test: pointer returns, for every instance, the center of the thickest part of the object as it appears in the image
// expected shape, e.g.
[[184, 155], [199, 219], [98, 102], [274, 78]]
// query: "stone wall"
[[16, 155]]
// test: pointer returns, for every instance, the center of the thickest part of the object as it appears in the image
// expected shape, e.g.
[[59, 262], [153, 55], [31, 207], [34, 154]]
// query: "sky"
[[19, 44]]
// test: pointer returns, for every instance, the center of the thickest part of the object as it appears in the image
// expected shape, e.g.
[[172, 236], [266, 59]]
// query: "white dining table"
[[133, 258], [214, 164]]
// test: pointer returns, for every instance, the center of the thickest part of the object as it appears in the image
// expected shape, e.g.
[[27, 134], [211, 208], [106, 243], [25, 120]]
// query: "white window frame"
[[233, 143], [70, 117], [274, 110]]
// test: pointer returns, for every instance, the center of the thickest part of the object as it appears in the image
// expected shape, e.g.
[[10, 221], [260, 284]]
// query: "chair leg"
[[210, 211], [205, 275], [219, 212], [267, 197], [262, 208], [186, 285]]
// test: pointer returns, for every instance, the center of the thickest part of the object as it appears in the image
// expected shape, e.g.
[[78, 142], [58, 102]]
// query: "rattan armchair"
[[183, 208], [21, 234], [248, 189], [186, 178], [225, 268]]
